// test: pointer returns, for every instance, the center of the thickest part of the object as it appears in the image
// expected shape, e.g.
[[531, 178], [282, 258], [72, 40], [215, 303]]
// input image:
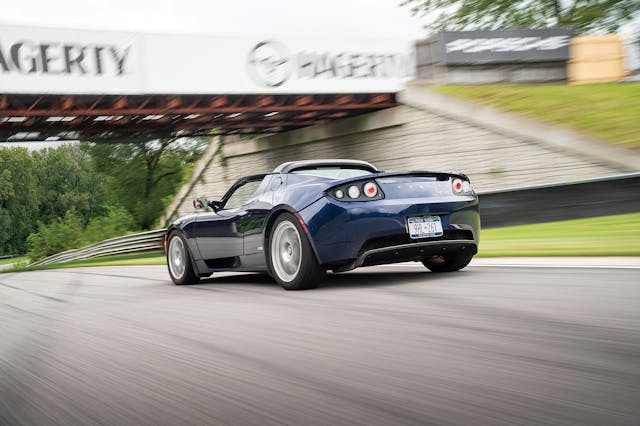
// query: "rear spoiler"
[[441, 176], [422, 173]]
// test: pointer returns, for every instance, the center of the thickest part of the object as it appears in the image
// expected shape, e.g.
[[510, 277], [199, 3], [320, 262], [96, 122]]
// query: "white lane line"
[[511, 265], [525, 265]]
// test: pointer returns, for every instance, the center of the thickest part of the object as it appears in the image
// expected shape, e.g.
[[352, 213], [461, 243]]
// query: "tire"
[[448, 263], [291, 260], [179, 260]]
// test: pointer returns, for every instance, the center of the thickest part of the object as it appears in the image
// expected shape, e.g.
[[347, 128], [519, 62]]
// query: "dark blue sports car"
[[307, 217]]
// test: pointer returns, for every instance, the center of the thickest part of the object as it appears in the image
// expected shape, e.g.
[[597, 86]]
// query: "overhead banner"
[[45, 60], [62, 61], [501, 46]]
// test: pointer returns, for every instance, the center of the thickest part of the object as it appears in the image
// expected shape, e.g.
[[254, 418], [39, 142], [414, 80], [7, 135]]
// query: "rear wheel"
[[291, 258], [179, 261], [448, 263]]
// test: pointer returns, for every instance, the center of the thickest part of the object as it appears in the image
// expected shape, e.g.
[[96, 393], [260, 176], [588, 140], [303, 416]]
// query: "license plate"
[[424, 227]]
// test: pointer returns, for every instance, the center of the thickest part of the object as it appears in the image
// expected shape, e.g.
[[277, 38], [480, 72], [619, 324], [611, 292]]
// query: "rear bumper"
[[351, 234], [408, 252]]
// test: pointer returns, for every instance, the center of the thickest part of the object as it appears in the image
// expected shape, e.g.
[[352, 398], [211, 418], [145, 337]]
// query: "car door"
[[258, 208], [220, 234]]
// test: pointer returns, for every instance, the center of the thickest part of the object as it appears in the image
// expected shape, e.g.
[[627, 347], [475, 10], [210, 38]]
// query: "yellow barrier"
[[596, 59]]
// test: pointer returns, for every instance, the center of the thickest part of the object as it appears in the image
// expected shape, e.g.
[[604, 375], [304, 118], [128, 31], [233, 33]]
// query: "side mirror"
[[199, 203]]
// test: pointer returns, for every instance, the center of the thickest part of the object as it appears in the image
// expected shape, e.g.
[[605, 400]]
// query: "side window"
[[242, 194]]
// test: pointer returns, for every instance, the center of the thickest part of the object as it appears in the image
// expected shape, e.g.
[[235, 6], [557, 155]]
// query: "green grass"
[[119, 260], [607, 111], [13, 260], [617, 235]]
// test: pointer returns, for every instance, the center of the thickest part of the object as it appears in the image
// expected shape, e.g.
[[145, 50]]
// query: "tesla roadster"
[[307, 217]]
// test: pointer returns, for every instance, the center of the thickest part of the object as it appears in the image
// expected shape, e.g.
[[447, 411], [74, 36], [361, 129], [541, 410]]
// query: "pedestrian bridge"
[[62, 84]]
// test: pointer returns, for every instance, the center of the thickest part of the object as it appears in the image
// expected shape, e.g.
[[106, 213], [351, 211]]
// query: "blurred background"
[[115, 115], [112, 120]]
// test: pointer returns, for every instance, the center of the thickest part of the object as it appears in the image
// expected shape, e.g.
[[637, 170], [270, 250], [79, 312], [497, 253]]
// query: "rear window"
[[333, 172]]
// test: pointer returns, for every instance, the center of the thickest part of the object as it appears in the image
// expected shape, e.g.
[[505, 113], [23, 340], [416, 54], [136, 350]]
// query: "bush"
[[68, 233], [116, 223], [60, 235]]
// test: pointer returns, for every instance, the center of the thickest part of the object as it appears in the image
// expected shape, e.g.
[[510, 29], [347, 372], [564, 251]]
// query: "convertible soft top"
[[307, 164]]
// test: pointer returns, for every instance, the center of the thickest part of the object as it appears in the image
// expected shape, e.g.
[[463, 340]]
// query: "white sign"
[[508, 44], [43, 60], [37, 60]]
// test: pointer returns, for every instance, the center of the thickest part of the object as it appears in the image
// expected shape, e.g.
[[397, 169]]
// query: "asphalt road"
[[383, 345]]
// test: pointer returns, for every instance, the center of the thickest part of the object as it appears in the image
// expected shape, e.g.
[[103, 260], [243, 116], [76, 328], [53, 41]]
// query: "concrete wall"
[[494, 74], [506, 73], [426, 133]]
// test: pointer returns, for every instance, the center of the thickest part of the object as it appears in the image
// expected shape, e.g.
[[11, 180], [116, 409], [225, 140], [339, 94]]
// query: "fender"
[[192, 259], [269, 222]]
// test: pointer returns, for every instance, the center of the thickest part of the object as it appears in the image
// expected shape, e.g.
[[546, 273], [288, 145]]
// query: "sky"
[[325, 18]]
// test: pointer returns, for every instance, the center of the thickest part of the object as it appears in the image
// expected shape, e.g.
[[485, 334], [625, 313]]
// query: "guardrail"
[[10, 256], [149, 241], [568, 200]]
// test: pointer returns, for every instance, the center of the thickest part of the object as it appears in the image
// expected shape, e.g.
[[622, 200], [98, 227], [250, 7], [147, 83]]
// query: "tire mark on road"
[[33, 293]]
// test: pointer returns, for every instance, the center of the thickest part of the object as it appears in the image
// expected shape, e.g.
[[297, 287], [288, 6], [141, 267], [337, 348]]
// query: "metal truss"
[[119, 118]]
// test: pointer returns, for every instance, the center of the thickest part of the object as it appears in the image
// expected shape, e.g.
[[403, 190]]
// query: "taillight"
[[353, 191], [357, 191], [461, 186], [457, 185], [370, 189]]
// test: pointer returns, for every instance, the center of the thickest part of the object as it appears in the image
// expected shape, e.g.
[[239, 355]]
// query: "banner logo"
[[269, 64]]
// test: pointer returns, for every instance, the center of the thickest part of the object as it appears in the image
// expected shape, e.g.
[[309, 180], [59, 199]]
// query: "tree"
[[582, 15], [83, 189], [40, 186], [140, 175], [68, 181], [19, 199]]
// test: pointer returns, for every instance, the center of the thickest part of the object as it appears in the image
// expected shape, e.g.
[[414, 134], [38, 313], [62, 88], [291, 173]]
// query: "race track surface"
[[377, 346]]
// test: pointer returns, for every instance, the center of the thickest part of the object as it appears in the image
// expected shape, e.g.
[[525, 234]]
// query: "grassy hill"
[[617, 235], [606, 111]]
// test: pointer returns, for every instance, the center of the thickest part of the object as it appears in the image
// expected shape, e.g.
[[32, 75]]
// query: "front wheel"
[[448, 263], [291, 258], [178, 261]]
